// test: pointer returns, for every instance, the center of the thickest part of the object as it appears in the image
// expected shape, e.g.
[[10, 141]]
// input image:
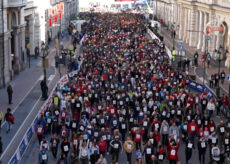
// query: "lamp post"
[[219, 60], [44, 55]]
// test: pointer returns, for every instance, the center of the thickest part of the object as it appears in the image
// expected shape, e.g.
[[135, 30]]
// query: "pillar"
[[193, 27], [31, 32], [204, 28], [201, 29], [182, 22]]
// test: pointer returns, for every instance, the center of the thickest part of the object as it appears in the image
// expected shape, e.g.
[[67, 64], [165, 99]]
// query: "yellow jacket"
[[129, 146]]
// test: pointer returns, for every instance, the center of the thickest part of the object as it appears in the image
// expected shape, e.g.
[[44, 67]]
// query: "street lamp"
[[44, 55], [174, 28], [219, 60]]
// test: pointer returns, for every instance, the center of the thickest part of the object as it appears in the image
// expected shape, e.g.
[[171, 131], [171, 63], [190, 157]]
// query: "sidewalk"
[[26, 100], [198, 71]]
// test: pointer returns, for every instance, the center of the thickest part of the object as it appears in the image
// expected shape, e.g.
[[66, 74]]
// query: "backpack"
[[11, 118]]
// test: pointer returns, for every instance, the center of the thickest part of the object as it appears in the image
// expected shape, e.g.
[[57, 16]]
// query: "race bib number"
[[114, 122], [214, 140], [44, 157], [129, 146], [148, 150], [39, 130], [160, 157], [74, 125], [190, 145], [193, 128], [56, 112], [203, 145], [212, 129], [222, 130], [116, 146], [66, 148], [173, 152], [123, 126], [138, 136]]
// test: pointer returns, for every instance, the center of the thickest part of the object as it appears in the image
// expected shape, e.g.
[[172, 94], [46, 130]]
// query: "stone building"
[[190, 19], [24, 24]]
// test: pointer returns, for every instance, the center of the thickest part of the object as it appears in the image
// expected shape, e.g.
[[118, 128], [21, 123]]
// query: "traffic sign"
[[180, 47], [228, 77], [208, 37]]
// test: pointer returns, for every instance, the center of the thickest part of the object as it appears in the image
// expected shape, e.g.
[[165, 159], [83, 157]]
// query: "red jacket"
[[137, 136], [192, 127], [102, 146], [172, 152]]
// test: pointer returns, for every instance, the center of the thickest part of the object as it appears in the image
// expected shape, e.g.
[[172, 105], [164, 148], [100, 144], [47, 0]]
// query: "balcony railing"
[[16, 3]]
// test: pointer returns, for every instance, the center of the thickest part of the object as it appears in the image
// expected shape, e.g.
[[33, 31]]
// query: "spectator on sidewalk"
[[10, 93], [44, 89], [216, 79], [208, 58], [196, 56], [212, 80], [9, 118], [222, 76]]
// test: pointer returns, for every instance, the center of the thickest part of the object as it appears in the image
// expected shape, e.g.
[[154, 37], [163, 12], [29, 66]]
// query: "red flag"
[[50, 22], [60, 15], [62, 6], [55, 19]]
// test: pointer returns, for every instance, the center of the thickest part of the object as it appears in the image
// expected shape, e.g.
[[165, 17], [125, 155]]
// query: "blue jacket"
[[43, 156]]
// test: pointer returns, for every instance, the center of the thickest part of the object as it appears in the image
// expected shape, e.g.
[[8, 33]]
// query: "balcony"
[[16, 3]]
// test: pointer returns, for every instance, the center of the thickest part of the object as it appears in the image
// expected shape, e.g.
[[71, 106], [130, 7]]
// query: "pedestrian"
[[116, 148], [43, 156], [9, 118], [10, 93], [54, 142], [84, 155], [36, 51], [202, 146], [222, 76], [39, 130], [208, 58], [129, 147], [188, 150], [65, 147], [217, 78], [196, 56], [44, 89], [173, 147], [148, 151]]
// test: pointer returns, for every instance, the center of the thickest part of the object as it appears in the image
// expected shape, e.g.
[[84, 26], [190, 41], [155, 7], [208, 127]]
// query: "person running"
[[43, 156], [116, 148], [129, 147]]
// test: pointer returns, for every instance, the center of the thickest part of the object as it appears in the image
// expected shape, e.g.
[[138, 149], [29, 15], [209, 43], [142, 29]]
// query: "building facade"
[[24, 24], [191, 19]]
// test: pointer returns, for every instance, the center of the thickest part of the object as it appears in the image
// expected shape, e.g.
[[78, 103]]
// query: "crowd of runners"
[[128, 99]]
